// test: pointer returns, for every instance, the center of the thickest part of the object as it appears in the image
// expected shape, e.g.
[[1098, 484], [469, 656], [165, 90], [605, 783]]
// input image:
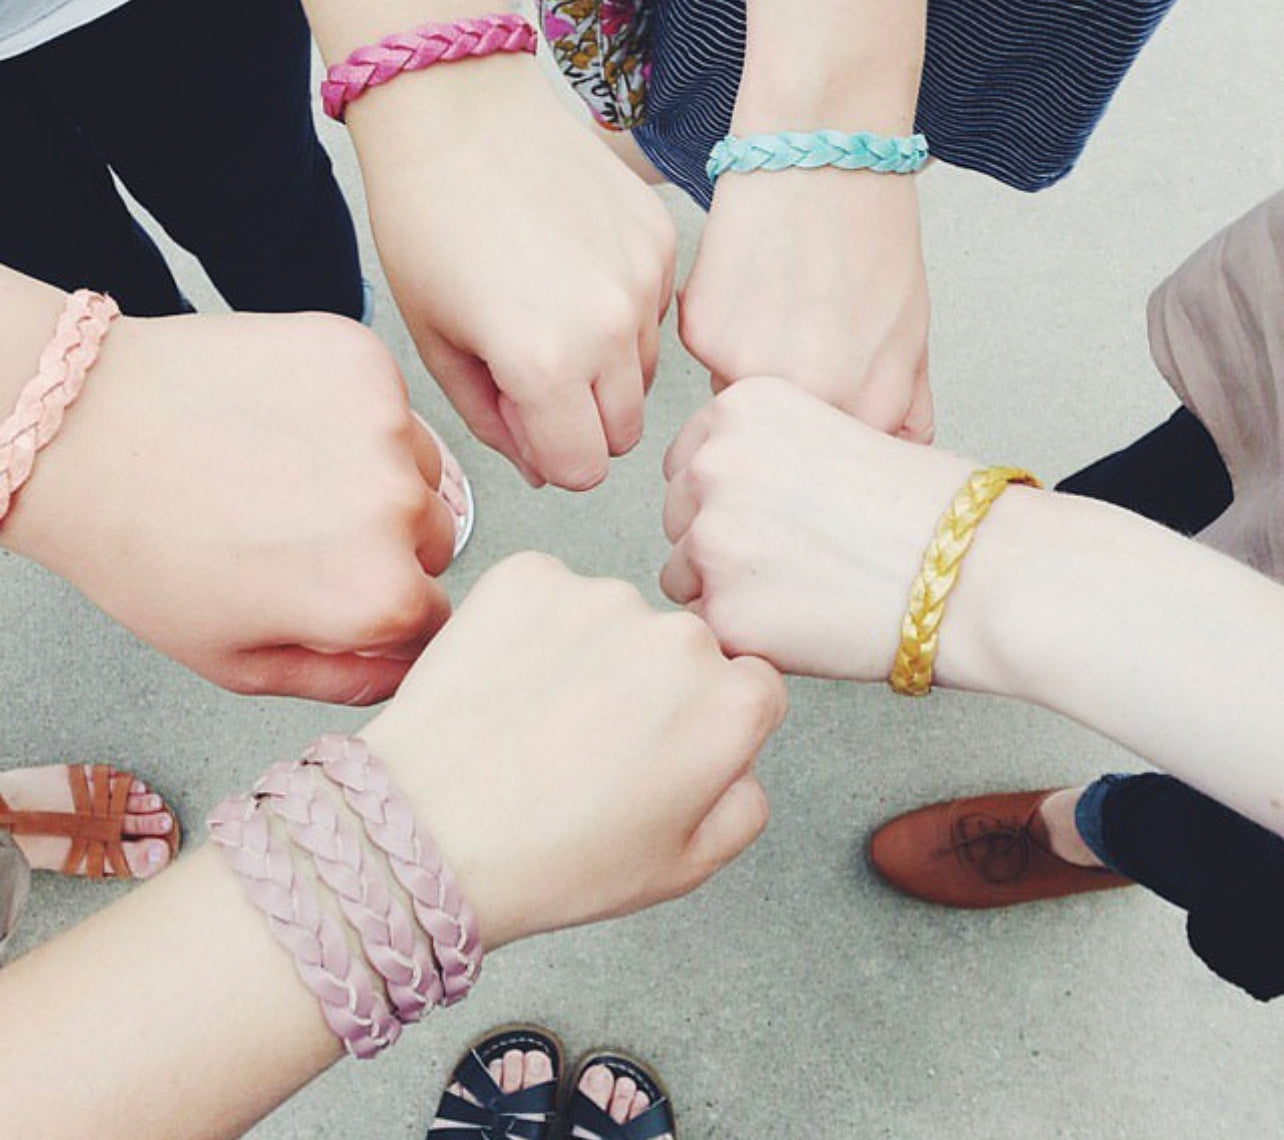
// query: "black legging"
[[202, 109]]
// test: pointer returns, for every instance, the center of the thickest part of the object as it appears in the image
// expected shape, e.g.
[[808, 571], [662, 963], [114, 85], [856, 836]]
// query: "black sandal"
[[586, 1121], [527, 1114]]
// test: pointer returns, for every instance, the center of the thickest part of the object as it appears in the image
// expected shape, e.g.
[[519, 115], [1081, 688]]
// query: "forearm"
[[1161, 644], [849, 64], [218, 1028]]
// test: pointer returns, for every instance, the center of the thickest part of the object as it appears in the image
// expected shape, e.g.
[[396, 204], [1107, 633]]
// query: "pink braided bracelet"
[[59, 378], [420, 48], [388, 934], [353, 1004], [413, 857]]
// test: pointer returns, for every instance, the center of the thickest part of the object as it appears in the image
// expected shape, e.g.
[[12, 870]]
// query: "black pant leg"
[[1225, 871], [61, 219], [1173, 475], [204, 110]]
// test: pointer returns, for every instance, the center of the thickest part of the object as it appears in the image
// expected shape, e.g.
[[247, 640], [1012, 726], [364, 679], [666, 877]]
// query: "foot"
[[990, 851], [1057, 814], [619, 1097], [514, 1070], [504, 1087], [147, 821]]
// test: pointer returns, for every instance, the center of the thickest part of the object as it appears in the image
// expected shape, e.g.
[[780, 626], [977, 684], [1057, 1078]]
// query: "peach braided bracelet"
[[911, 674], [419, 48], [59, 377]]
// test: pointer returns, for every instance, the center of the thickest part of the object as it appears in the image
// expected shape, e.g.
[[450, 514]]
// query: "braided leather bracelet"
[[413, 857], [352, 1002], [59, 378], [388, 934], [911, 674], [420, 48], [882, 154]]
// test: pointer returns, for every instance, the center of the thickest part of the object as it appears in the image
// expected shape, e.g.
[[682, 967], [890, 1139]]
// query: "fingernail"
[[155, 855], [166, 824]]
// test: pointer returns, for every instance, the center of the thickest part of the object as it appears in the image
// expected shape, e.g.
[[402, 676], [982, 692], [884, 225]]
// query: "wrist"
[[845, 66], [58, 343], [426, 115], [1012, 585]]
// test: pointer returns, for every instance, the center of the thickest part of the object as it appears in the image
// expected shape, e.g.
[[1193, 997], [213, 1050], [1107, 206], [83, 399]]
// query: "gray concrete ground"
[[795, 995]]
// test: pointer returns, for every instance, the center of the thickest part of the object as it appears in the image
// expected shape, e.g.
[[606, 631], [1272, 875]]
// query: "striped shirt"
[[1010, 88]]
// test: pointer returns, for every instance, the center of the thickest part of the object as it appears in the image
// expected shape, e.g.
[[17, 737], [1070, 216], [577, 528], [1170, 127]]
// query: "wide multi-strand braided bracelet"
[[911, 673], [388, 934], [59, 378], [419, 48], [352, 1001], [882, 154], [412, 856]]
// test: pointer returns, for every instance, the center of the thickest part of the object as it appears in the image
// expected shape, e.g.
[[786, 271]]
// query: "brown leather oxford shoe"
[[985, 851]]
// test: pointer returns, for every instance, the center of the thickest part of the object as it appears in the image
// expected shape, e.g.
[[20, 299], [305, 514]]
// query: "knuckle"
[[754, 701], [529, 568], [686, 631], [614, 595]]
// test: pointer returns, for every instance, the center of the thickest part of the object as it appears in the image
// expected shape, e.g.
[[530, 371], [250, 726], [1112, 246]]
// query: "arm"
[[544, 690], [531, 266], [185, 495], [1168, 648], [817, 275]]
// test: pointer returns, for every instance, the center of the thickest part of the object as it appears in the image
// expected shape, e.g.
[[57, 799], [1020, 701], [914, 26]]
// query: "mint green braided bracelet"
[[810, 149]]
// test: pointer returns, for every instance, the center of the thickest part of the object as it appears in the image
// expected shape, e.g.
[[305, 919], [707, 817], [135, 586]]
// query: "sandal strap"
[[493, 1114], [95, 825], [649, 1124]]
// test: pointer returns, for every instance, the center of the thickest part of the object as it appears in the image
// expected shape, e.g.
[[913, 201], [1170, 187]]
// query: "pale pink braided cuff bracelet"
[[419, 48], [413, 857], [430, 959], [352, 1002], [388, 935], [59, 378]]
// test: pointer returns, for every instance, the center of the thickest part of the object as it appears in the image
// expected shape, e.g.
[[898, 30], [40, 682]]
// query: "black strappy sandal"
[[585, 1121], [527, 1114]]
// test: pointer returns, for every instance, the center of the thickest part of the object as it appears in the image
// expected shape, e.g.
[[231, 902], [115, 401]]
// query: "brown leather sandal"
[[95, 826]]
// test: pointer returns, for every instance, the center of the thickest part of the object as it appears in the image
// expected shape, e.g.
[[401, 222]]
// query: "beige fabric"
[[15, 884], [1217, 335]]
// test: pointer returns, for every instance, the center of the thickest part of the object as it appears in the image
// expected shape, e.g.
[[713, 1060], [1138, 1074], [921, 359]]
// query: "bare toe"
[[146, 857], [539, 1068], [154, 823], [141, 803], [511, 1080], [597, 1084], [641, 1102], [622, 1099]]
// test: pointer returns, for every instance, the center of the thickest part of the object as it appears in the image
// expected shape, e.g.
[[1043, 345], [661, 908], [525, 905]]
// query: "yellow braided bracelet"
[[912, 672]]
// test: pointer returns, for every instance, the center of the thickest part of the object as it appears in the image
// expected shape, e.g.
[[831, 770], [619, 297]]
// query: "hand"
[[576, 755], [798, 531], [251, 495], [532, 267], [817, 276]]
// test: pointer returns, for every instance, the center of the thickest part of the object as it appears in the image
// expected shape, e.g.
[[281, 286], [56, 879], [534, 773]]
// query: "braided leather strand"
[[419, 48], [882, 154], [353, 1006], [388, 934], [60, 376], [911, 673], [413, 858]]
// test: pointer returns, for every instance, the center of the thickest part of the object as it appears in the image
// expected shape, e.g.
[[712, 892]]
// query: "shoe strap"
[[586, 1119]]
